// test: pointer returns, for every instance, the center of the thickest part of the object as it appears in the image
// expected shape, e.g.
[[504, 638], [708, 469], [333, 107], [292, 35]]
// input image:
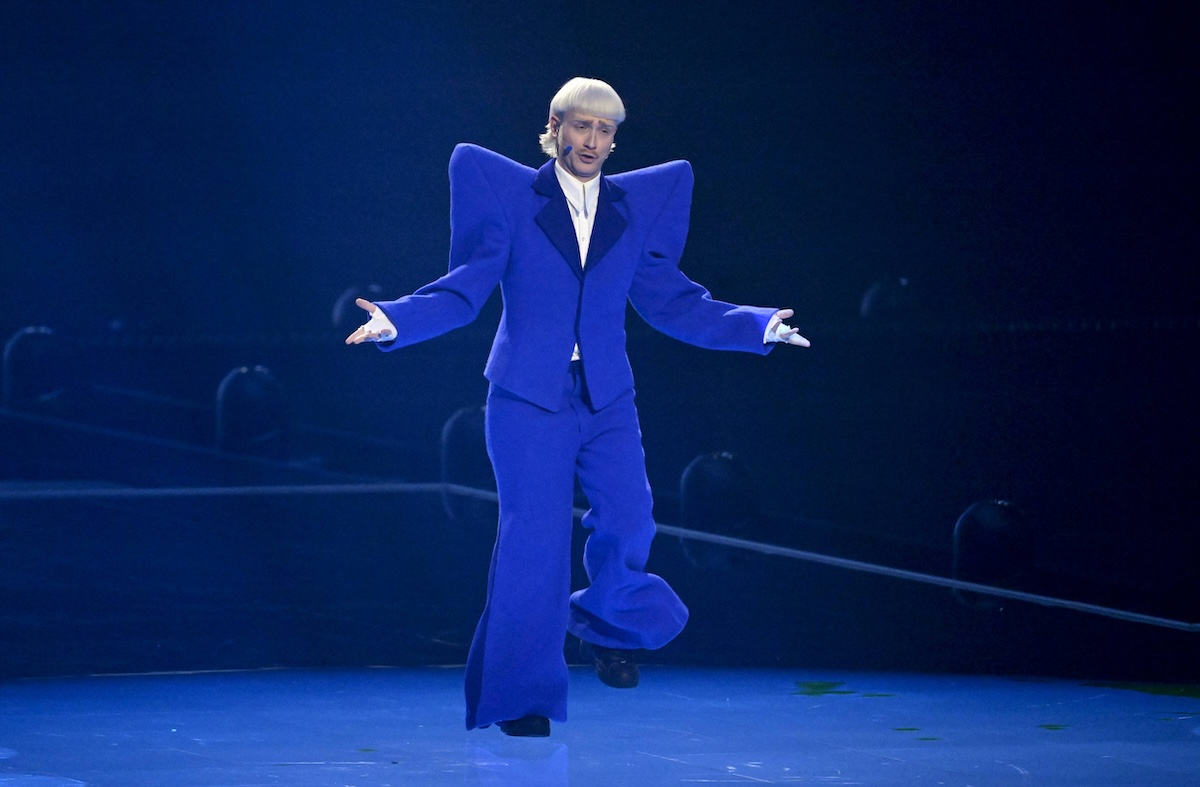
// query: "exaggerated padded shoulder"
[[657, 177], [469, 159], [487, 162]]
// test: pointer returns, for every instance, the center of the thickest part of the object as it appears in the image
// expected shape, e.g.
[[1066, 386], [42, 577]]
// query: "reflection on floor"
[[390, 726]]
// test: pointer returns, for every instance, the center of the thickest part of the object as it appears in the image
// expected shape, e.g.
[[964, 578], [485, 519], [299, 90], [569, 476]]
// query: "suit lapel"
[[610, 224], [555, 219]]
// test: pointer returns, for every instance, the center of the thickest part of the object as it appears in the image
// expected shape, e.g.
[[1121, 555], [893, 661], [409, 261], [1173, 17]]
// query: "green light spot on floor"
[[1054, 727], [819, 688], [875, 694], [928, 739], [366, 750], [1191, 690], [907, 729]]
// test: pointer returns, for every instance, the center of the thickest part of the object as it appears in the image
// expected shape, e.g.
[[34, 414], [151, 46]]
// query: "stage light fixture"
[[35, 377], [993, 545], [252, 415]]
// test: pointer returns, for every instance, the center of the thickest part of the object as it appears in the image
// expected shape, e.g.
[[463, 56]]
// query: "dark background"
[[983, 213]]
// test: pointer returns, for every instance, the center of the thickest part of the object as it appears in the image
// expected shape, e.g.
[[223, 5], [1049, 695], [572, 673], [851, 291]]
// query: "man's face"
[[584, 142]]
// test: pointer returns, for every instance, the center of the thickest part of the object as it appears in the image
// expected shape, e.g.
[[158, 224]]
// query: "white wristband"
[[381, 325], [776, 329]]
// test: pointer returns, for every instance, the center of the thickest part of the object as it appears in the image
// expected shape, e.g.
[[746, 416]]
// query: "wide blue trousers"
[[516, 666]]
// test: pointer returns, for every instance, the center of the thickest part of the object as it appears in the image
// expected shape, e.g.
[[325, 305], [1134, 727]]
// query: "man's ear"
[[554, 124]]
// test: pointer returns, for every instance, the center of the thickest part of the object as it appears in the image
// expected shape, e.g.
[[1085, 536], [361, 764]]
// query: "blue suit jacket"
[[510, 225]]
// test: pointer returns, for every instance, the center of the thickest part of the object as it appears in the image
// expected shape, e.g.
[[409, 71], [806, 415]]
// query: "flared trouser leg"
[[623, 606], [515, 666]]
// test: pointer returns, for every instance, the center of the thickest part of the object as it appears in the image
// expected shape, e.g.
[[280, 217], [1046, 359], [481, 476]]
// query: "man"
[[569, 247]]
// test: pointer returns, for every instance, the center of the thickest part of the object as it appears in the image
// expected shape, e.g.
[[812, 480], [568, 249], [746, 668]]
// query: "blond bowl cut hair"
[[588, 96]]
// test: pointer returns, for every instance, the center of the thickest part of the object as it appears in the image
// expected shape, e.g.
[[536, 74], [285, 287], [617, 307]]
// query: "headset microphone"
[[567, 150]]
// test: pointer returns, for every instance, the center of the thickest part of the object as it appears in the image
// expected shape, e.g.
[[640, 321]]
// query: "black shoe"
[[615, 667], [527, 727]]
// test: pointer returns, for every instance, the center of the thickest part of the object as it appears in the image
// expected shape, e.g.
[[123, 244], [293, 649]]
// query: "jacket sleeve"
[[674, 304], [479, 249]]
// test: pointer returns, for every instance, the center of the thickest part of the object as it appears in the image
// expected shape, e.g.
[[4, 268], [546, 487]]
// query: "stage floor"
[[403, 726]]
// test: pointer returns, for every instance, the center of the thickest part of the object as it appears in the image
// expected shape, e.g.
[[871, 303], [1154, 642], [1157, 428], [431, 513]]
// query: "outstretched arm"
[[479, 248], [671, 302]]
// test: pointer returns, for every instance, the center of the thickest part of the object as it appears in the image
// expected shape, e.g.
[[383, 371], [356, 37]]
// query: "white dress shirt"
[[582, 198]]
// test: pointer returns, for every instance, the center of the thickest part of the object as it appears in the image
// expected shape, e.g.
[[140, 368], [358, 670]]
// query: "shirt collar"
[[576, 191]]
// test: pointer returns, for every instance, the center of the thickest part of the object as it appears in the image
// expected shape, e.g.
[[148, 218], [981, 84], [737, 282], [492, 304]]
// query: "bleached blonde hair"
[[581, 94]]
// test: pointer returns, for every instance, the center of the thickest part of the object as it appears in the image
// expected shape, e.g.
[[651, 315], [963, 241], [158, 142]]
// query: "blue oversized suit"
[[550, 420]]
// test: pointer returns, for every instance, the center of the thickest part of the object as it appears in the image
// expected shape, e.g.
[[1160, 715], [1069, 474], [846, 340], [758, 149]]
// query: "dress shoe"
[[527, 727], [615, 667]]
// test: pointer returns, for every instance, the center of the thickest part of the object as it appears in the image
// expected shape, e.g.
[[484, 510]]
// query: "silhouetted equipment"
[[716, 495], [465, 462], [35, 375], [993, 545], [889, 299], [252, 416]]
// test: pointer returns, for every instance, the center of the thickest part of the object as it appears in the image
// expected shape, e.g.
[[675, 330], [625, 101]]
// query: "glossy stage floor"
[[211, 636], [682, 726]]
